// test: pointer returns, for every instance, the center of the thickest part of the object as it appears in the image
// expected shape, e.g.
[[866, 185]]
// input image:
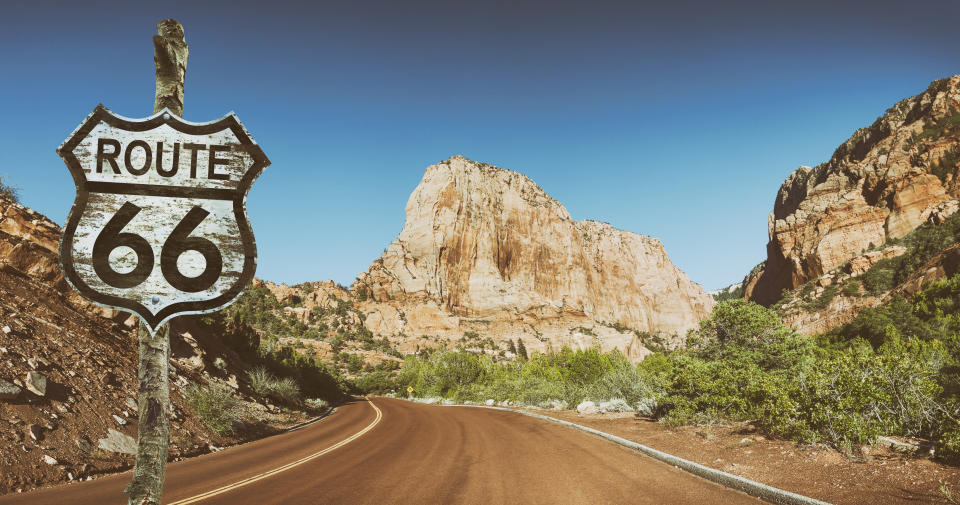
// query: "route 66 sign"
[[159, 226]]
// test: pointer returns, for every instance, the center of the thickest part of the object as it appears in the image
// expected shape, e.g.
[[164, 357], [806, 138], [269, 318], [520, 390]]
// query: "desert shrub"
[[260, 380], [821, 302], [708, 391], [568, 376], [728, 294], [216, 407], [879, 279], [317, 403], [266, 384], [286, 390], [947, 164], [745, 332], [852, 288], [923, 243], [629, 384], [860, 393], [9, 192]]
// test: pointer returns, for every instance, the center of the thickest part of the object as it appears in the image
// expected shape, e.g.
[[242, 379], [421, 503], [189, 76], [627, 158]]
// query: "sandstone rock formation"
[[880, 184], [485, 249]]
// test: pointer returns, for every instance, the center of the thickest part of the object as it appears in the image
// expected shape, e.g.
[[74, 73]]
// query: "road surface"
[[390, 451]]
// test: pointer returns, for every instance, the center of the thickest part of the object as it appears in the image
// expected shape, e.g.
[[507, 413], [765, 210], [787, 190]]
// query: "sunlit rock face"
[[481, 243], [883, 182]]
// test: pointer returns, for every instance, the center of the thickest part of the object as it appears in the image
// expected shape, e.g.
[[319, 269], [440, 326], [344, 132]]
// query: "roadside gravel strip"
[[321, 417], [762, 491]]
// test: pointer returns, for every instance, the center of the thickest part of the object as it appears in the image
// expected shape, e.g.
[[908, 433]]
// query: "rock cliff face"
[[880, 184], [484, 243]]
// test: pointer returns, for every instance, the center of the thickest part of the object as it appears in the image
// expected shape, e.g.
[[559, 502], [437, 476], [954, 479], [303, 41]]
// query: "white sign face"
[[159, 227]]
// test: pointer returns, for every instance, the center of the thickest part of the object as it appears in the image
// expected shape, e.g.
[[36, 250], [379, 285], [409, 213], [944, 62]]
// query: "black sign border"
[[260, 162]]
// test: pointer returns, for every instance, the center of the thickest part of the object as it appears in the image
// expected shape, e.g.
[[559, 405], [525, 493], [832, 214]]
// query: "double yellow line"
[[264, 475]]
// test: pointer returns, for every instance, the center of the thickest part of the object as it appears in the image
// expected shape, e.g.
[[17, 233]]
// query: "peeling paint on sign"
[[159, 227]]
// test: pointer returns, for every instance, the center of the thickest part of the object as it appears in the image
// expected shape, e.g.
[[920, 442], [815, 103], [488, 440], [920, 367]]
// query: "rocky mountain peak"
[[880, 184], [481, 241]]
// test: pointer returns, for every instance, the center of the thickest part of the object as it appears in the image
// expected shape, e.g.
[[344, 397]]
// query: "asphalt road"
[[394, 452]]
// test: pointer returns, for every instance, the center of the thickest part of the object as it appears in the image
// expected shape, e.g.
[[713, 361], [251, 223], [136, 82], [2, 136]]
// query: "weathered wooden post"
[[159, 228], [153, 376]]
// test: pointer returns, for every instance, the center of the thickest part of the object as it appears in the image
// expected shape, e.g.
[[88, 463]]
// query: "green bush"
[[216, 407], [377, 382], [9, 192], [260, 381], [895, 370], [852, 288], [264, 384], [286, 390], [923, 243]]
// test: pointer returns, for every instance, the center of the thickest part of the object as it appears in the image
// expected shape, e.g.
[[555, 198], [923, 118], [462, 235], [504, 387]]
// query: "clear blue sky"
[[678, 121]]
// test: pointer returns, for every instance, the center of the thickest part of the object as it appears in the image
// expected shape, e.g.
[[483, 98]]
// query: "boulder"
[[118, 442], [587, 407], [615, 405], [9, 391], [36, 383], [84, 445]]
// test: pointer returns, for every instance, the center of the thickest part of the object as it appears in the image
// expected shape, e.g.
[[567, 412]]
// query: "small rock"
[[84, 445], [131, 403], [9, 391], [587, 407], [489, 402], [6, 329], [49, 460], [32, 362], [118, 442], [121, 421], [36, 383], [36, 432]]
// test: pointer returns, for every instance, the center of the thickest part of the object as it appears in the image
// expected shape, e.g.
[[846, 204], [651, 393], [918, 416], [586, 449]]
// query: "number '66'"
[[176, 244]]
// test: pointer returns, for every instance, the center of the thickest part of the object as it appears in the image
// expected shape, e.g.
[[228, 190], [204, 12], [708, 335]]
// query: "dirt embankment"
[[870, 475]]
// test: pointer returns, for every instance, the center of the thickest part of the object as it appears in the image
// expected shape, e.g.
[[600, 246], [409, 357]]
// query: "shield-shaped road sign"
[[159, 227]]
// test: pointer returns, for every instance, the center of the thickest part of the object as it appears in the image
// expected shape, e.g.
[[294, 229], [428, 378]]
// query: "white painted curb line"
[[753, 488], [321, 417]]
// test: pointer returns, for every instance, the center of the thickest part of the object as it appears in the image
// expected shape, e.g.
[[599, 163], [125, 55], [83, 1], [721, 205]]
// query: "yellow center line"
[[251, 480]]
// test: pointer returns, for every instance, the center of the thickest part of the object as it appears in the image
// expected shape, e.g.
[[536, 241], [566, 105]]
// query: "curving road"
[[388, 451]]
